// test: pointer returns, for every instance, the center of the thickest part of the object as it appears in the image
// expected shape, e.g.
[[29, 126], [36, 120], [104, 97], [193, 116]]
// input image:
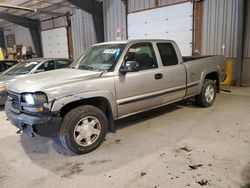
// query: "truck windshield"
[[99, 58], [22, 68]]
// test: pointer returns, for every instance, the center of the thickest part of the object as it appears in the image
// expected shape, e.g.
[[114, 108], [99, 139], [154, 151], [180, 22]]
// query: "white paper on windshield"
[[109, 51], [134, 50]]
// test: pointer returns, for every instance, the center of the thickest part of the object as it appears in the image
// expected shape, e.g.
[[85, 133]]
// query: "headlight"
[[34, 102], [34, 99]]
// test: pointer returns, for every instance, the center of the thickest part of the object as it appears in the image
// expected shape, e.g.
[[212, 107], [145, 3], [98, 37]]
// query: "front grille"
[[15, 100]]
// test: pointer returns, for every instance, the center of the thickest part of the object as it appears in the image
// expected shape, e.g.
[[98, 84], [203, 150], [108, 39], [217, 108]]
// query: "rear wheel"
[[207, 95], [83, 129]]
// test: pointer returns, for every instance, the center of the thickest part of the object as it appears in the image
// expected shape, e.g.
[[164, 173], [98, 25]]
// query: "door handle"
[[158, 76]]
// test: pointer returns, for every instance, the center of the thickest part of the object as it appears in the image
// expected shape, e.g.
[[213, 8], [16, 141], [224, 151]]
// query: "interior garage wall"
[[53, 23], [246, 60], [219, 27], [220, 31], [83, 31], [22, 35], [247, 31], [114, 16], [136, 5]]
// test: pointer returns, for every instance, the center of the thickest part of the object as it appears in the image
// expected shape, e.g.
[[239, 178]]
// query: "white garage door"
[[171, 22], [55, 43]]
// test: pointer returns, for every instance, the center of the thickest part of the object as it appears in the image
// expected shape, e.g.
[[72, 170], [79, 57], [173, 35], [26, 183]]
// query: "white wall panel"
[[162, 23], [55, 43], [22, 35]]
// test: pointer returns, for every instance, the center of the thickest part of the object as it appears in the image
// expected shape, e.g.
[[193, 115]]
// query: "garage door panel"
[[166, 25], [55, 43], [185, 20], [171, 22], [152, 30]]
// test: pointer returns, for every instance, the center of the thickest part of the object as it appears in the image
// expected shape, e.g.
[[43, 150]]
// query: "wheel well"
[[215, 77], [99, 102]]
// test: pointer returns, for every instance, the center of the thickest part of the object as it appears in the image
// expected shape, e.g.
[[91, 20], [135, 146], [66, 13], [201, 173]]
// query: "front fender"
[[58, 103]]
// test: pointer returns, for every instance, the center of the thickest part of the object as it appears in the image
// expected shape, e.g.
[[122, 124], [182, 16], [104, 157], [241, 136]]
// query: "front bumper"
[[46, 125], [3, 97]]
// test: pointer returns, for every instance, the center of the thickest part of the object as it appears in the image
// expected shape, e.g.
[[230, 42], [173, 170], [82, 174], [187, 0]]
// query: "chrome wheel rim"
[[209, 93], [87, 131]]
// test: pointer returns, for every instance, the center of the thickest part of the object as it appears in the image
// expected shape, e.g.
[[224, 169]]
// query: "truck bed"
[[191, 58]]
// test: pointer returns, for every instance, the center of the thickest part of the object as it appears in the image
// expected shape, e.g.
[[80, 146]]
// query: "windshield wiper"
[[86, 67]]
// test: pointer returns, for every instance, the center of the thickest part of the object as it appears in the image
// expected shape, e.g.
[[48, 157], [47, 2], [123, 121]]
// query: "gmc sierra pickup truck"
[[108, 82]]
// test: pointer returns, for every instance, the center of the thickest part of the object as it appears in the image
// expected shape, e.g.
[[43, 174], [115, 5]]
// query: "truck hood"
[[51, 79], [4, 78]]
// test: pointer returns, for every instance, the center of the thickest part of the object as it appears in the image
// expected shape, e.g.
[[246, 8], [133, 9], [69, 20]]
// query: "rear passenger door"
[[174, 73], [138, 91]]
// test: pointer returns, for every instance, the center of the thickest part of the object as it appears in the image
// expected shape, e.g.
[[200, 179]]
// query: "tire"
[[207, 95], [83, 129]]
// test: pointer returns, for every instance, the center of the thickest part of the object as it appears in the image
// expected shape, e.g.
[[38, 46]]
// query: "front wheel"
[[83, 129], [207, 95]]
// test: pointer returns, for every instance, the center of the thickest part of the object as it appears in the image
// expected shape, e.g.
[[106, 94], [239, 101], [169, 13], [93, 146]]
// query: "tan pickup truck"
[[110, 81]]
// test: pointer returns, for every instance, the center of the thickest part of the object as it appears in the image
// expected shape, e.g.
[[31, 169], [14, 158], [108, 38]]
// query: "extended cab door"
[[138, 91], [173, 71]]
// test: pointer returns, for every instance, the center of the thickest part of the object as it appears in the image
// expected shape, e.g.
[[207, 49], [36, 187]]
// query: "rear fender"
[[204, 74]]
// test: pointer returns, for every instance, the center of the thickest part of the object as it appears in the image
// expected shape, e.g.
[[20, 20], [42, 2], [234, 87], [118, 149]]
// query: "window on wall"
[[143, 53], [10, 41], [168, 54]]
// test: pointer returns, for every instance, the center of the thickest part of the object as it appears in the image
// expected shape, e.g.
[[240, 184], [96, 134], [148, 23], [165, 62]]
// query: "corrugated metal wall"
[[136, 5], [114, 16], [83, 31], [246, 60], [54, 23], [219, 27], [247, 31]]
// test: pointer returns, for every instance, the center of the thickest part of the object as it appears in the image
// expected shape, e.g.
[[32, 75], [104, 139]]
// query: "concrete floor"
[[177, 146]]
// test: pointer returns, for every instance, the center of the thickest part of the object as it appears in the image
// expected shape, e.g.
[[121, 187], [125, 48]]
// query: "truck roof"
[[134, 40], [45, 59]]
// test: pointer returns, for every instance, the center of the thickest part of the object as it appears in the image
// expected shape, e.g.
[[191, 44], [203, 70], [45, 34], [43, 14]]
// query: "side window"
[[41, 67], [168, 54], [143, 53], [47, 66], [62, 64], [1, 67], [9, 64]]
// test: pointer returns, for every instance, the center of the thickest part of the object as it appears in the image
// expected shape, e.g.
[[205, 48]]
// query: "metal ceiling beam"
[[16, 7], [36, 10], [33, 25], [96, 9]]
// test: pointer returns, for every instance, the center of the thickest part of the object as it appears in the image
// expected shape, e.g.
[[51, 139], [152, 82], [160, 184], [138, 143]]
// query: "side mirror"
[[39, 71], [130, 66]]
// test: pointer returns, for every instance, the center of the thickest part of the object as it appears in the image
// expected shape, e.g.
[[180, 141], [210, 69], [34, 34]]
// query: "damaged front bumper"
[[46, 125]]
